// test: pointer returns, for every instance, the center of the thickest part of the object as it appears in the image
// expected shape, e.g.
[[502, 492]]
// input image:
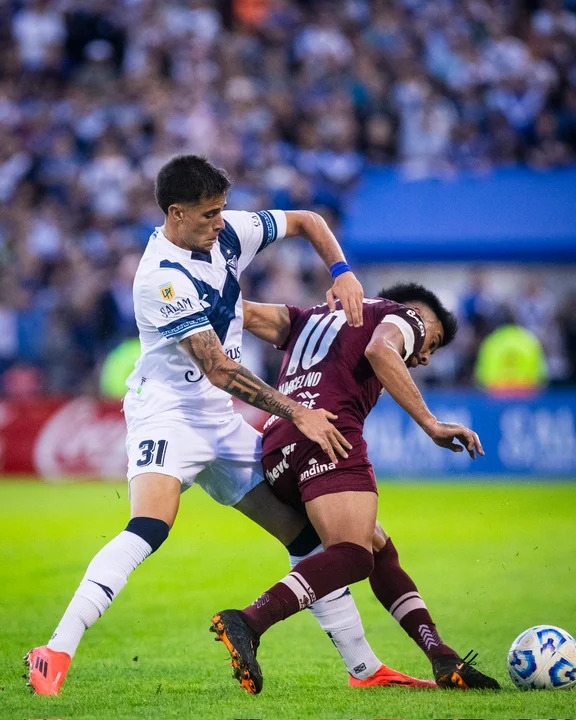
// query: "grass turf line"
[[489, 560]]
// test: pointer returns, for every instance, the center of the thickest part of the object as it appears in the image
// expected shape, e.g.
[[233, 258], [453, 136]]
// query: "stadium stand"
[[295, 99]]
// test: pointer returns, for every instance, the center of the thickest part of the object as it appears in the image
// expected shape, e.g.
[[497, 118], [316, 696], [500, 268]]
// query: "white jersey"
[[177, 294]]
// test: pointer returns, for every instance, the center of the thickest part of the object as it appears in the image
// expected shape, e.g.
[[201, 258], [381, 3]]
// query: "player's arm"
[[270, 323], [384, 353], [238, 381], [346, 287]]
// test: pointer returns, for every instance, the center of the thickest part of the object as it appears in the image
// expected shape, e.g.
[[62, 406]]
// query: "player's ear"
[[176, 212]]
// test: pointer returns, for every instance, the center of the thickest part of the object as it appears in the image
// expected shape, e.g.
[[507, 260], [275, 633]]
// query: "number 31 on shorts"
[[152, 451]]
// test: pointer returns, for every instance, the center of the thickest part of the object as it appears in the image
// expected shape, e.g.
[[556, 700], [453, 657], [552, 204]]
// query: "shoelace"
[[470, 658]]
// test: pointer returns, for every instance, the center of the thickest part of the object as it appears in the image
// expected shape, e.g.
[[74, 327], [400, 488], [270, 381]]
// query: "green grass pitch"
[[489, 559]]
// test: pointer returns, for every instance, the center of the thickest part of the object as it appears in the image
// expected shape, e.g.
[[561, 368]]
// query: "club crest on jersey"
[[167, 292], [232, 265]]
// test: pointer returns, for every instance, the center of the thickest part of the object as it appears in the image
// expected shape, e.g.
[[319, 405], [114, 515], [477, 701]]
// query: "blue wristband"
[[339, 268]]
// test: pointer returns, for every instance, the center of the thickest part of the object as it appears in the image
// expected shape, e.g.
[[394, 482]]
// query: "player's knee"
[[379, 538], [151, 530], [358, 561], [306, 541]]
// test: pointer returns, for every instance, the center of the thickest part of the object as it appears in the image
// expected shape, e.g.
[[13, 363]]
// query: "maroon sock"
[[397, 592], [310, 580]]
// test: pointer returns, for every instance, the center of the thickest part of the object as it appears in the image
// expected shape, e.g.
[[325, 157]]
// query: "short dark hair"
[[413, 292], [189, 179]]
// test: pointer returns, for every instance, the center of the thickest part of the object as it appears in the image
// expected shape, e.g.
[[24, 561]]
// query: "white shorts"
[[224, 460]]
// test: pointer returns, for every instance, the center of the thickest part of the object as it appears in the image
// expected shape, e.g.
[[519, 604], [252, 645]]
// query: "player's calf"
[[313, 578], [105, 577]]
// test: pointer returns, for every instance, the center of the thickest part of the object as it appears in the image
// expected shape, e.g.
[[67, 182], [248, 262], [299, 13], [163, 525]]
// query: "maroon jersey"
[[325, 367]]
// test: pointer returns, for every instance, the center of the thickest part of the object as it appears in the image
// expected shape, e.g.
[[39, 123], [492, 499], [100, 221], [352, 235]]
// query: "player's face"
[[434, 335], [198, 224]]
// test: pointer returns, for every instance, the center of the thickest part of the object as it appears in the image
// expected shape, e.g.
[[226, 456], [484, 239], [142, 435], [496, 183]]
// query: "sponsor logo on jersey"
[[193, 376], [310, 379], [308, 398], [234, 353], [180, 306], [418, 321], [316, 468], [273, 474], [271, 420], [167, 292]]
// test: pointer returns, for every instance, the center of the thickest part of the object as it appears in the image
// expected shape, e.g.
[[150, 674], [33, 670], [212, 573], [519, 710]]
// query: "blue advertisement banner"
[[521, 436], [510, 214]]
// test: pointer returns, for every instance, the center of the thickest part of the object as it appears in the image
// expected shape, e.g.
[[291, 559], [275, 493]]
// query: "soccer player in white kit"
[[181, 424]]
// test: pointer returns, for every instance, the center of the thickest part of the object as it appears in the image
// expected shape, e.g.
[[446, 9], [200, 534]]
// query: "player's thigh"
[[346, 489], [348, 516], [235, 469], [165, 455], [155, 495], [281, 475], [274, 516]]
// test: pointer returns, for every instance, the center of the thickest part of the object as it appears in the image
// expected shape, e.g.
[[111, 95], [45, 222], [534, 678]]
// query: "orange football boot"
[[454, 672], [48, 670], [385, 676], [242, 643]]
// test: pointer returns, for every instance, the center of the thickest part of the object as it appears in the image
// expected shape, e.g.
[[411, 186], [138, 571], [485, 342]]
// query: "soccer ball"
[[543, 657]]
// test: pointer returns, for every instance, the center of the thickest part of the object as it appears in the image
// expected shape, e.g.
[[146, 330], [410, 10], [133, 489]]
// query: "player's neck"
[[171, 234]]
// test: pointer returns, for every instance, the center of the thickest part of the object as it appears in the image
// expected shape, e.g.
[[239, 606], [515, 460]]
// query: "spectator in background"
[[39, 31], [536, 309], [116, 368], [567, 322], [546, 149], [511, 360]]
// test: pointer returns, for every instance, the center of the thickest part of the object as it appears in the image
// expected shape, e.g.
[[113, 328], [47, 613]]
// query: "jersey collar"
[[179, 252]]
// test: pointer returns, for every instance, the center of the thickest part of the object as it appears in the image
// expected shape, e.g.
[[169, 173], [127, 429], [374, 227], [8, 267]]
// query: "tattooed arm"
[[238, 381], [228, 375]]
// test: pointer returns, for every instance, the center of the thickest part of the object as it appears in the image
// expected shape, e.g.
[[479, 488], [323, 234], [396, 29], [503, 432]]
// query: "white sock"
[[339, 618], [106, 575]]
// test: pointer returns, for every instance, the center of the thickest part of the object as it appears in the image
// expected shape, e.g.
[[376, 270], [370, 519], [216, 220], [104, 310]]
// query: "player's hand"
[[349, 291], [445, 435], [316, 425]]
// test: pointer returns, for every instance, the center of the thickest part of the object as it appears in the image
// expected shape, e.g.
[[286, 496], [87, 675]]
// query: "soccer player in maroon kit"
[[342, 369]]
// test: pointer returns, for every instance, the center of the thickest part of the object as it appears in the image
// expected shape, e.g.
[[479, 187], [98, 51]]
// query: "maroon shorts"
[[301, 471]]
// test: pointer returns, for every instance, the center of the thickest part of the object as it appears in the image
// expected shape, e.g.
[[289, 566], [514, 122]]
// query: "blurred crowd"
[[540, 303], [292, 97]]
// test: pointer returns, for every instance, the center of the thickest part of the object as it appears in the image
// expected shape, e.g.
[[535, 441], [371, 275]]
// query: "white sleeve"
[[255, 231], [170, 302], [407, 331]]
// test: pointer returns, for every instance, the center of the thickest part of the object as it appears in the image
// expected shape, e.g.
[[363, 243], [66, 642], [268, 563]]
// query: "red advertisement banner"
[[79, 437]]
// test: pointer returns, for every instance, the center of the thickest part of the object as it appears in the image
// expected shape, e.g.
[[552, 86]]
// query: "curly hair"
[[413, 292]]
